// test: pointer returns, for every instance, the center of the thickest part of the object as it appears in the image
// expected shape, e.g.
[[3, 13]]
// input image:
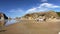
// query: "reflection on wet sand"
[[2, 26]]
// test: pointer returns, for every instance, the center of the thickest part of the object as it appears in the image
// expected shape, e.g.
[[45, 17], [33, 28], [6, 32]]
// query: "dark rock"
[[3, 15]]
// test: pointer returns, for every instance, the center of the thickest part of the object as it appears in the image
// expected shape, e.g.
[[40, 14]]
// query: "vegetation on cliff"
[[58, 13], [47, 14]]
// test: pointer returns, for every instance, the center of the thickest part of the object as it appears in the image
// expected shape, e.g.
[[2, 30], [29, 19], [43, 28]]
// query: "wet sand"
[[32, 27]]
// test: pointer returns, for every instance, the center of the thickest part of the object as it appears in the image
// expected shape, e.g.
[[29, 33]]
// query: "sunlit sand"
[[32, 27]]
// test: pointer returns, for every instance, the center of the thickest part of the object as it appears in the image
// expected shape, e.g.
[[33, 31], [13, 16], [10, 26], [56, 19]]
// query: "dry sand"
[[31, 27]]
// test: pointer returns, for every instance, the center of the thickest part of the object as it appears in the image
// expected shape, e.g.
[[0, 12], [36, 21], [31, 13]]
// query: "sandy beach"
[[31, 27]]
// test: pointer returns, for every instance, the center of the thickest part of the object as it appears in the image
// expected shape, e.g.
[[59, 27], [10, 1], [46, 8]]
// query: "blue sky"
[[17, 8]]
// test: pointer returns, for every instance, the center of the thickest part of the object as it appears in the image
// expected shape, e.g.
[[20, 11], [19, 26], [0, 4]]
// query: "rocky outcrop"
[[46, 15], [3, 16]]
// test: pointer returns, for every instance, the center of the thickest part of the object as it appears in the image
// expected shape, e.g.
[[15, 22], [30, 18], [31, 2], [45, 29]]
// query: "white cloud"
[[16, 10], [31, 10], [36, 10], [44, 0], [42, 7], [48, 5]]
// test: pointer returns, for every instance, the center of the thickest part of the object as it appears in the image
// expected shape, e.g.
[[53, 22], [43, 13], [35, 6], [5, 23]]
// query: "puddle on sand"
[[9, 22]]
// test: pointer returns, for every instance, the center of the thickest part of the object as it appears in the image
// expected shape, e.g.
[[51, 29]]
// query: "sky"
[[18, 8]]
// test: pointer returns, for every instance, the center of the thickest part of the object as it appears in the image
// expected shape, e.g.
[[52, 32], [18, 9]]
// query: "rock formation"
[[46, 15], [3, 16]]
